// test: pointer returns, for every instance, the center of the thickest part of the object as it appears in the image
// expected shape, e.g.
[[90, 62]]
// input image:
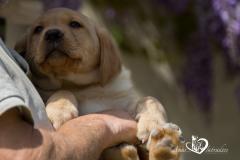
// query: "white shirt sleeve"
[[16, 90]]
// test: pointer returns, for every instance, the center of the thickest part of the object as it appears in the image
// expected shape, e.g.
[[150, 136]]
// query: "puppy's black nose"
[[54, 35]]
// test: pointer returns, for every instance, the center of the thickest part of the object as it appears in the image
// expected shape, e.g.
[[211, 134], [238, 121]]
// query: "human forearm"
[[19, 140], [86, 144], [82, 138], [92, 135]]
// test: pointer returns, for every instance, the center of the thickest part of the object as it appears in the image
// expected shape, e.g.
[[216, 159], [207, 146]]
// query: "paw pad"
[[163, 142]]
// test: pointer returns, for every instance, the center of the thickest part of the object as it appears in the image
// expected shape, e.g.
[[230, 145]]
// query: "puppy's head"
[[63, 43]]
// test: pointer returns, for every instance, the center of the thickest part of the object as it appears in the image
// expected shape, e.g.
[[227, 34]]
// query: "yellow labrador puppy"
[[77, 69]]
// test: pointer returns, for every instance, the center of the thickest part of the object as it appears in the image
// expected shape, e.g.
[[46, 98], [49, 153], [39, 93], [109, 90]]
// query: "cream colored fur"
[[81, 72]]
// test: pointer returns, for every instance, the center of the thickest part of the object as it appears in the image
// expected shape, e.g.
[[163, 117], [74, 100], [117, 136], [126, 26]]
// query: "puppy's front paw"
[[144, 128], [164, 142], [150, 116], [61, 107], [122, 152], [129, 152]]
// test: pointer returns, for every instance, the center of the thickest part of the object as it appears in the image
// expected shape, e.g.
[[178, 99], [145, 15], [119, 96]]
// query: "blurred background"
[[186, 53]]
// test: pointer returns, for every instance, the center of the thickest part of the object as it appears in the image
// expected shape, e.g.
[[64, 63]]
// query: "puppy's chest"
[[119, 94], [98, 102]]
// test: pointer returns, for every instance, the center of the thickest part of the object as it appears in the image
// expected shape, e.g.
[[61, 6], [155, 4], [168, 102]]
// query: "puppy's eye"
[[38, 29], [75, 24]]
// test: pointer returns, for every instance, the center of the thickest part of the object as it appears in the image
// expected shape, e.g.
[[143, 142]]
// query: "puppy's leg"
[[121, 152], [161, 137], [61, 107]]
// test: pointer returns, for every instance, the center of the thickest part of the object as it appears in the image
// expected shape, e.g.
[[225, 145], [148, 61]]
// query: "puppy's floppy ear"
[[110, 61], [21, 46]]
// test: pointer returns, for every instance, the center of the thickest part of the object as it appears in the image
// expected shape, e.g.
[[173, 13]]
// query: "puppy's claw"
[[165, 142], [154, 133], [56, 125], [182, 139], [174, 127]]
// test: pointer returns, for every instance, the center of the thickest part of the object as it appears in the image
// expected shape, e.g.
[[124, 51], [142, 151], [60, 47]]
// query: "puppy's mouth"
[[59, 62], [55, 53], [55, 56]]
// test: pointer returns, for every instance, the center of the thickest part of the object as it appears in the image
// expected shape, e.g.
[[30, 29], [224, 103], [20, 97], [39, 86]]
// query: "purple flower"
[[174, 5], [198, 72], [110, 13], [72, 4]]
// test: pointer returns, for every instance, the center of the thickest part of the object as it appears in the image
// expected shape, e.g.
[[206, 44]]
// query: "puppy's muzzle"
[[54, 36]]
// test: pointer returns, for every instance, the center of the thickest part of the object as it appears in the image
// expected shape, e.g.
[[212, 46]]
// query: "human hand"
[[123, 127], [105, 129]]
